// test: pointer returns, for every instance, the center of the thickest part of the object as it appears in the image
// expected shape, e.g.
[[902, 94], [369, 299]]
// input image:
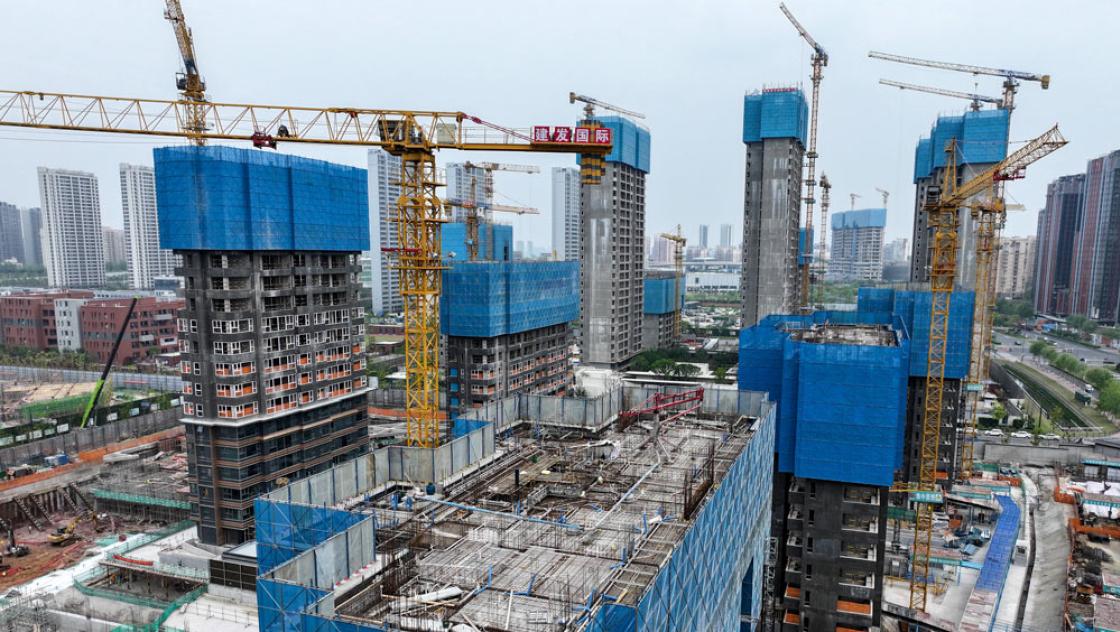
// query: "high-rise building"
[[857, 245], [146, 260], [71, 229], [114, 242], [896, 250], [981, 141], [31, 223], [11, 234], [468, 183], [1015, 266], [613, 243], [1096, 281], [663, 298], [1058, 226], [662, 252], [384, 191], [726, 235], [273, 334], [703, 240], [775, 124], [565, 213]]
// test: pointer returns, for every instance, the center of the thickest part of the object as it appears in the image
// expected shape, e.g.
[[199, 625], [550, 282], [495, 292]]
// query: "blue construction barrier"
[[981, 140], [775, 113], [487, 299], [658, 295]]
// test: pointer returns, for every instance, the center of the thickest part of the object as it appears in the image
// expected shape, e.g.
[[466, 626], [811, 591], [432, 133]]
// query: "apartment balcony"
[[861, 526], [792, 592], [857, 581], [858, 553], [795, 540], [797, 486], [791, 618], [853, 607], [859, 497]]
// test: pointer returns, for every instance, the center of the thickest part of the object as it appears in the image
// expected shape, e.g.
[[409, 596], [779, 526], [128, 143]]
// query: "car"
[[994, 432], [1021, 435], [1050, 437]]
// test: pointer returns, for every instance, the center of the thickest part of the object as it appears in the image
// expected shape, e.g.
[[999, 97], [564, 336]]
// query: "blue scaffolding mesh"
[[487, 299], [658, 295], [631, 142], [923, 159], [493, 242], [913, 307], [862, 218], [841, 407], [981, 137], [781, 113], [284, 530], [1001, 547], [805, 250], [223, 198]]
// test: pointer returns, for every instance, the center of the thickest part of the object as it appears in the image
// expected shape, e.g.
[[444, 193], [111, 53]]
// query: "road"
[[1089, 355]]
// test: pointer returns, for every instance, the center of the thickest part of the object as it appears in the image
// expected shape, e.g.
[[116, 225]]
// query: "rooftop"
[[835, 334]]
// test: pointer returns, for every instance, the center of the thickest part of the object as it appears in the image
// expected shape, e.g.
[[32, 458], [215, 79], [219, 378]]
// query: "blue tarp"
[[862, 218], [223, 198], [777, 113], [631, 142], [981, 138], [658, 295], [914, 309], [493, 242]]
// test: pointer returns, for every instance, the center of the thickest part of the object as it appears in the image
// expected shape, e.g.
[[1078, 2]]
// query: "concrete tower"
[[565, 213], [71, 232], [146, 260], [384, 189]]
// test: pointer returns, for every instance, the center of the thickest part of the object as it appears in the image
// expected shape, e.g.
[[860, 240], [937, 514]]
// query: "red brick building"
[[28, 320], [152, 330]]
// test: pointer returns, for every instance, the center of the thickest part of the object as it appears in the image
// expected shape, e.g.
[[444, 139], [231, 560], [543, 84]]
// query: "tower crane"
[[679, 241], [415, 136], [853, 197], [472, 206], [822, 249], [590, 103], [1011, 78], [886, 195], [976, 99], [189, 81], [941, 207], [818, 61]]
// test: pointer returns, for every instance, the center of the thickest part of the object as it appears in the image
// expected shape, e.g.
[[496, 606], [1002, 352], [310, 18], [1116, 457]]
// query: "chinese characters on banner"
[[579, 135]]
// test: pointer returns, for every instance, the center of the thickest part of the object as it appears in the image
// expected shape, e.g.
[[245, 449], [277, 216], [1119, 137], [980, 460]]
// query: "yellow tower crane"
[[591, 167], [1011, 78], [679, 241], [822, 248], [473, 207], [941, 207], [818, 61], [976, 99], [189, 81]]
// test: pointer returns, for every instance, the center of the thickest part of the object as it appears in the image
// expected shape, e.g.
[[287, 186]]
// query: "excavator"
[[65, 535]]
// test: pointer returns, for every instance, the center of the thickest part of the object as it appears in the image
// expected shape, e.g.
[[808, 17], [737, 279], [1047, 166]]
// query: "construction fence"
[[118, 379], [75, 440]]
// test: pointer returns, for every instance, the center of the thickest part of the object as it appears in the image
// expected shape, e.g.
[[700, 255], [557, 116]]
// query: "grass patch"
[[1051, 395]]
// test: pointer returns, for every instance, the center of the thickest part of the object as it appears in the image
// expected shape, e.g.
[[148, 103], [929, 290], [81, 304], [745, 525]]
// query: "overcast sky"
[[686, 65]]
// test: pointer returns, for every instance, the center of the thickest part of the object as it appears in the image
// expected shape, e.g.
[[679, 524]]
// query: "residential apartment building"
[[1014, 266], [384, 173], [71, 228], [775, 125], [726, 235], [150, 332], [1058, 226], [857, 245], [272, 335], [31, 225], [896, 250], [146, 260], [11, 234], [613, 243], [565, 213], [115, 243], [663, 298]]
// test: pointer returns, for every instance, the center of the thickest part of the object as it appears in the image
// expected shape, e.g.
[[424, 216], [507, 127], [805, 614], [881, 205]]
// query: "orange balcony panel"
[[793, 592], [853, 607], [842, 628], [792, 618]]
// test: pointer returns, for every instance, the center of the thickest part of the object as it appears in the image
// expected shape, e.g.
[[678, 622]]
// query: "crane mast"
[[472, 206], [976, 99], [818, 61], [822, 249], [679, 241], [189, 82], [941, 208]]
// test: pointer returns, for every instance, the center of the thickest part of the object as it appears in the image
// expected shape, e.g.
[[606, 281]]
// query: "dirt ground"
[[45, 557]]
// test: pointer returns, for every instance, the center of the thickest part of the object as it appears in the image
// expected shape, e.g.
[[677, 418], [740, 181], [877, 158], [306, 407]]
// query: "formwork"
[[224, 198], [840, 382], [560, 552], [487, 299], [775, 113]]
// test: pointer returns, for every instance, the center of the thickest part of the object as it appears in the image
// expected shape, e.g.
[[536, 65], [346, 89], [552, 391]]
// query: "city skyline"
[[712, 34]]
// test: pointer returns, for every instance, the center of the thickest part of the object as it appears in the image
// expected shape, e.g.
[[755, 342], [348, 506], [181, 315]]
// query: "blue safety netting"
[[658, 295], [701, 586], [1001, 547], [461, 427], [914, 309], [775, 113], [631, 142], [223, 198], [284, 530], [805, 249], [493, 242], [487, 299], [862, 218], [841, 407], [981, 139]]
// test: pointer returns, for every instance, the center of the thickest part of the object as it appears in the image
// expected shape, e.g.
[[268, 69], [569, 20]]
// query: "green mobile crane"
[[96, 394]]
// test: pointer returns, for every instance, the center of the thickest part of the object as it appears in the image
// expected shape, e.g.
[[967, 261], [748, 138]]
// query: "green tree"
[[686, 370], [999, 413], [1098, 377], [1069, 364], [1025, 310], [720, 373], [1050, 353], [1037, 347], [1110, 398], [664, 367]]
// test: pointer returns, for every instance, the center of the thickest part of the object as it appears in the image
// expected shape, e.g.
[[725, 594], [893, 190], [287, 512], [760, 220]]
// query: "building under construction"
[[549, 513], [844, 383], [662, 303]]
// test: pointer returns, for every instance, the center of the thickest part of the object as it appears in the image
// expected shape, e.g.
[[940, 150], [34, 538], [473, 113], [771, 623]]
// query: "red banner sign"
[[578, 135]]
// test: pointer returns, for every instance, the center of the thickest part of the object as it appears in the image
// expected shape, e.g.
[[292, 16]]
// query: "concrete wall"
[[1020, 451], [90, 438]]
